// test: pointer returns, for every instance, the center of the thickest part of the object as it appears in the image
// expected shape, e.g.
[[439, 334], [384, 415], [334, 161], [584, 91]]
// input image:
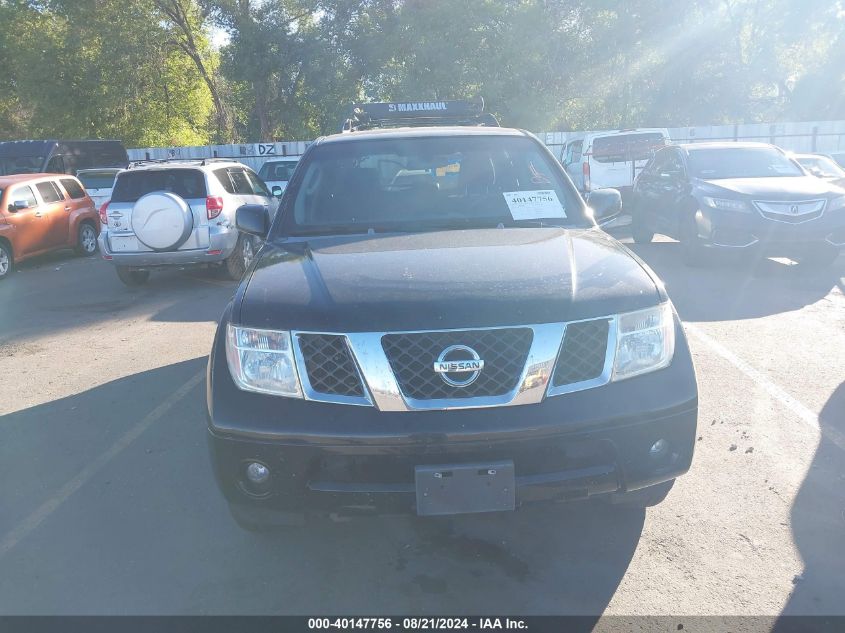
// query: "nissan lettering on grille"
[[459, 365]]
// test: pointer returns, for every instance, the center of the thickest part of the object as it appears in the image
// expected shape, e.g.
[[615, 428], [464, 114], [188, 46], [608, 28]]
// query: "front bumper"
[[221, 242], [732, 230], [338, 458]]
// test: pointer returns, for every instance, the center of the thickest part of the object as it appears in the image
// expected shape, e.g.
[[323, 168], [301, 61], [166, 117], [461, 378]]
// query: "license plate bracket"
[[465, 488]]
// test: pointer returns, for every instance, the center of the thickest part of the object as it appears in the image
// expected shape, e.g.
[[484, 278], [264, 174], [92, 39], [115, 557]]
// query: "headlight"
[[837, 203], [725, 204], [645, 341], [262, 361]]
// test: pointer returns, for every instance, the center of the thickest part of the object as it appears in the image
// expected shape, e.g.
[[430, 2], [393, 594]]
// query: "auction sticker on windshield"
[[534, 205]]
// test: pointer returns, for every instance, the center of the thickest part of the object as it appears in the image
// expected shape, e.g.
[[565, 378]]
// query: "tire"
[[822, 257], [241, 258], [695, 254], [640, 230], [7, 261], [645, 498], [132, 277], [86, 240]]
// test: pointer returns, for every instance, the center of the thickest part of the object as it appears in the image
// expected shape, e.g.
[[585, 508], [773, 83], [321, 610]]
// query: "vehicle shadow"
[[53, 258], [731, 287], [818, 520], [56, 294], [147, 532]]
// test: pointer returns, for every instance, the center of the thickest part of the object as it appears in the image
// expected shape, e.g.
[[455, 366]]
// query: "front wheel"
[[241, 258], [6, 260], [695, 253], [640, 230], [86, 240], [133, 277]]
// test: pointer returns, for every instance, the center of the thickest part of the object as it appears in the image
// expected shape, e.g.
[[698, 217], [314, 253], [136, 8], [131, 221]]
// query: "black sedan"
[[738, 197]]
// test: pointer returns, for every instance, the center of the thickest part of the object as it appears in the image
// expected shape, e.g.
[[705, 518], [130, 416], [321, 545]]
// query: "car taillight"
[[104, 218], [586, 171], [213, 206]]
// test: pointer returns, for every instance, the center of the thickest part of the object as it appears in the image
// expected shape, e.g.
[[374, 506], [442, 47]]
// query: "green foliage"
[[98, 69], [144, 71]]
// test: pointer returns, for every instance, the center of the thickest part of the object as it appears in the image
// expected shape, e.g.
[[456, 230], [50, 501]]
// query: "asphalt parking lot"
[[107, 504]]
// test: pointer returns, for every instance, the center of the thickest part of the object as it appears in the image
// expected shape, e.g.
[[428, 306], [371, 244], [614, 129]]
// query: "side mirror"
[[253, 219], [277, 191], [18, 205], [606, 204], [818, 173]]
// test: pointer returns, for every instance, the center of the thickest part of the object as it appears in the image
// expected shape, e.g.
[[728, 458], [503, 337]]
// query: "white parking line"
[[31, 522], [804, 413]]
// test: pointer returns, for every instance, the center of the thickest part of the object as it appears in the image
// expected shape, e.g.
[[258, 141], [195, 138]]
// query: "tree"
[[187, 22], [87, 69]]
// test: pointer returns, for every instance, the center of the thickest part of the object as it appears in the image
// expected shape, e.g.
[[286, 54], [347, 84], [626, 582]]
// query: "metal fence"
[[252, 154], [811, 136]]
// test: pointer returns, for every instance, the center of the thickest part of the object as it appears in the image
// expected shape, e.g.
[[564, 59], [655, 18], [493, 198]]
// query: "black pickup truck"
[[435, 324]]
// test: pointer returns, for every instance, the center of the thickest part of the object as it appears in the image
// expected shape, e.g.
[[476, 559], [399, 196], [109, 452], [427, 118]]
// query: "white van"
[[595, 160]]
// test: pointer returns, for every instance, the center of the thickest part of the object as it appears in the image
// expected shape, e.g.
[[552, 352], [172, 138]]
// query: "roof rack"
[[198, 161], [368, 116]]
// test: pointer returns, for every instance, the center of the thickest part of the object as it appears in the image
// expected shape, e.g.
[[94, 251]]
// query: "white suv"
[[180, 213]]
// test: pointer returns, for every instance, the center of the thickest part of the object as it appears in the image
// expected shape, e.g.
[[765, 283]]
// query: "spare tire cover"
[[162, 220]]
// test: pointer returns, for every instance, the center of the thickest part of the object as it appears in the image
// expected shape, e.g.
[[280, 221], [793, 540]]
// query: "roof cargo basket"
[[188, 161], [367, 116]]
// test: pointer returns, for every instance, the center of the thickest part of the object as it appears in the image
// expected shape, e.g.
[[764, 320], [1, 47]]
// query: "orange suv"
[[41, 213]]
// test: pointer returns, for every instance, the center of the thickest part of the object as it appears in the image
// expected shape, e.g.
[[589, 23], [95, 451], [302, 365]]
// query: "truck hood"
[[775, 188], [443, 280]]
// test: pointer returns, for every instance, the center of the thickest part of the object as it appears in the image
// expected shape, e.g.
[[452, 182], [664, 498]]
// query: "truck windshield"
[[21, 165], [97, 179], [420, 184], [626, 147], [278, 171], [740, 162]]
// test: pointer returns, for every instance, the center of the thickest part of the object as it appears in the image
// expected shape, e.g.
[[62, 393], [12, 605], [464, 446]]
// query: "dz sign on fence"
[[266, 149]]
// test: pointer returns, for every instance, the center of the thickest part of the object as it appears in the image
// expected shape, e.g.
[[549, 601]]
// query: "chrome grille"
[[329, 365], [791, 212], [412, 356], [582, 355]]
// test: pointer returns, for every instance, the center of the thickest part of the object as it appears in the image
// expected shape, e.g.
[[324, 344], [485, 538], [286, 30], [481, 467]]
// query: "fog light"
[[659, 448], [257, 473]]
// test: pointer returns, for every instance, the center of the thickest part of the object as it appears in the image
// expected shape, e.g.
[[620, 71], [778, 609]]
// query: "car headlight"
[[837, 203], [645, 341], [262, 361], [725, 204]]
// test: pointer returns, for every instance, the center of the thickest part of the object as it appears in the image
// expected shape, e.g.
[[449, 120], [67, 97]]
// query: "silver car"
[[178, 213]]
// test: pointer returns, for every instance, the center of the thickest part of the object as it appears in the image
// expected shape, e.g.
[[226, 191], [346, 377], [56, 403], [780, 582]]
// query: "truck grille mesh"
[[329, 364], [583, 352], [412, 357]]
